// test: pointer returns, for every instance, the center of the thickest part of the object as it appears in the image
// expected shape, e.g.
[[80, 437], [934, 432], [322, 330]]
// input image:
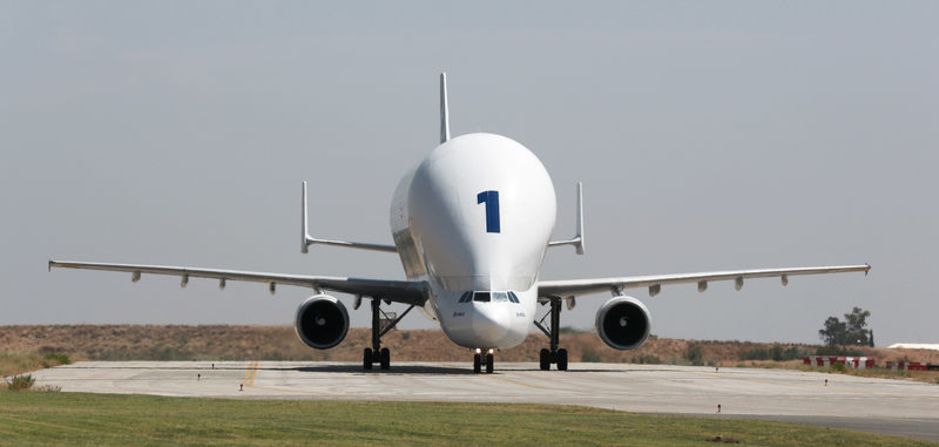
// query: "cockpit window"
[[483, 297], [486, 297]]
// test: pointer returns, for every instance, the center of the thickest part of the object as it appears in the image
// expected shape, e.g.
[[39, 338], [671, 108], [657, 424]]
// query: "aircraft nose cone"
[[491, 324]]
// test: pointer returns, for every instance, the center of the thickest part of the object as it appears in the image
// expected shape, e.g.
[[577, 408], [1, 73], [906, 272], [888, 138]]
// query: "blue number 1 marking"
[[491, 199]]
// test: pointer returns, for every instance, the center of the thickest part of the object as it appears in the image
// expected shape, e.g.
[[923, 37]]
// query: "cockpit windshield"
[[486, 297]]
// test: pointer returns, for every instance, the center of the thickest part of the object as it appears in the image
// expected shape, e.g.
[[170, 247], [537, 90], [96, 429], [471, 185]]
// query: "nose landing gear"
[[554, 355], [479, 359]]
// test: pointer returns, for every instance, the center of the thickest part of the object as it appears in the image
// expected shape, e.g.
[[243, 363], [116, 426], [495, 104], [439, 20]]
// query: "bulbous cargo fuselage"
[[476, 216]]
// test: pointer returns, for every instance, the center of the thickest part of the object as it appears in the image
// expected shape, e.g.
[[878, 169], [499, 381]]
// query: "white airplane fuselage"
[[476, 215]]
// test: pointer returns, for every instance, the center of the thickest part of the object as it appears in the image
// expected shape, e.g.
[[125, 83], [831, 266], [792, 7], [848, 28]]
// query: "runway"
[[885, 406]]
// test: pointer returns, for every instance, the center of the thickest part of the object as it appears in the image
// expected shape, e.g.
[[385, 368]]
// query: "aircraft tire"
[[385, 358], [562, 359], [544, 360], [367, 358], [490, 363], [477, 363]]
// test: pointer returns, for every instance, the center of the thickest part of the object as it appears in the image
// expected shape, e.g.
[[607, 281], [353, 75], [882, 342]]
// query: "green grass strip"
[[31, 418]]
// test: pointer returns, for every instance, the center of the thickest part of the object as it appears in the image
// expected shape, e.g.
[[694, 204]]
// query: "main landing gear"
[[377, 354], [478, 360], [554, 355]]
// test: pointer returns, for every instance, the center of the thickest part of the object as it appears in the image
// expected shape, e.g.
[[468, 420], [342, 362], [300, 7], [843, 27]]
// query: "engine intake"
[[322, 322], [623, 323]]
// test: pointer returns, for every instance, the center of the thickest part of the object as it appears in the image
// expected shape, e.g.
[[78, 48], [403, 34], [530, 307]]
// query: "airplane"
[[471, 224]]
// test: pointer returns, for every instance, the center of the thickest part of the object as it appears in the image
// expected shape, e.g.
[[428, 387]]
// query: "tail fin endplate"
[[444, 110], [578, 240]]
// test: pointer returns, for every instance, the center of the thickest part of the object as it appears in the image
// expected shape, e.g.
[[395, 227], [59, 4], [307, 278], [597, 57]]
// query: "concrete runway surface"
[[885, 406]]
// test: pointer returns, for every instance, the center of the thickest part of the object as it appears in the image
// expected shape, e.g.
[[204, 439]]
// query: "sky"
[[708, 135]]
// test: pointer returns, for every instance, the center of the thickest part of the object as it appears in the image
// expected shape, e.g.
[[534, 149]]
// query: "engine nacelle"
[[322, 322], [623, 323]]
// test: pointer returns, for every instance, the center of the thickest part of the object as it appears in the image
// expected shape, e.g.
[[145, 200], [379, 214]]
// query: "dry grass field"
[[31, 347]]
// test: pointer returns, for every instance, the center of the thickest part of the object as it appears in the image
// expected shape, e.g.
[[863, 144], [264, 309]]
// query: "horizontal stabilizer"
[[307, 241]]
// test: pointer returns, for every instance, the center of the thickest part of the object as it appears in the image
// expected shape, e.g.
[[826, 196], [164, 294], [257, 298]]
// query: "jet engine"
[[322, 322], [623, 323]]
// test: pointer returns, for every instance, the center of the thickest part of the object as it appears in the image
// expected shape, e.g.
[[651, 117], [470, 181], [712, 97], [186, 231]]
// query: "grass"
[[882, 373], [12, 363], [101, 420]]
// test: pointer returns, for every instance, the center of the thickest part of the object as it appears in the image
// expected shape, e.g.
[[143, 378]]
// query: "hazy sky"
[[709, 135]]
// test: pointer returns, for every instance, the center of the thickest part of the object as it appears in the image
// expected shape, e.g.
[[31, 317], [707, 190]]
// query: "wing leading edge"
[[408, 292], [574, 287]]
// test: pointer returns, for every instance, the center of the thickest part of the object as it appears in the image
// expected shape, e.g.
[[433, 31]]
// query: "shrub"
[[21, 383], [776, 353], [48, 389], [647, 359], [755, 354], [55, 359], [838, 350], [694, 354], [589, 356]]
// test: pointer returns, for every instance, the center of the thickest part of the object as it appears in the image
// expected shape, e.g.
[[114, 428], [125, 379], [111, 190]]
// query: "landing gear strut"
[[479, 359], [377, 354], [554, 355]]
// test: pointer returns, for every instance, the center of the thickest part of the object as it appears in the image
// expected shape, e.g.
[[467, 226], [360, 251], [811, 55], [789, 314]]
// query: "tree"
[[834, 331], [851, 331], [857, 326]]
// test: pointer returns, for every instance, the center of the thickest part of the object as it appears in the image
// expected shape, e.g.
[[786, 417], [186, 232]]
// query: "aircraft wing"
[[408, 292], [574, 287]]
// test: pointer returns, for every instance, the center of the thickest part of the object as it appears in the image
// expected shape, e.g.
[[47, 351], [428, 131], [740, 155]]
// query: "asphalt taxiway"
[[886, 406]]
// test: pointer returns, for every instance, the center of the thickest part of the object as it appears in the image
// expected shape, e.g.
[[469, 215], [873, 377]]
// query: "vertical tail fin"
[[444, 110]]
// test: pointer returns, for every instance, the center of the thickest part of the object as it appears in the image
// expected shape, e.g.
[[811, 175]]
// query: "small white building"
[[930, 346]]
